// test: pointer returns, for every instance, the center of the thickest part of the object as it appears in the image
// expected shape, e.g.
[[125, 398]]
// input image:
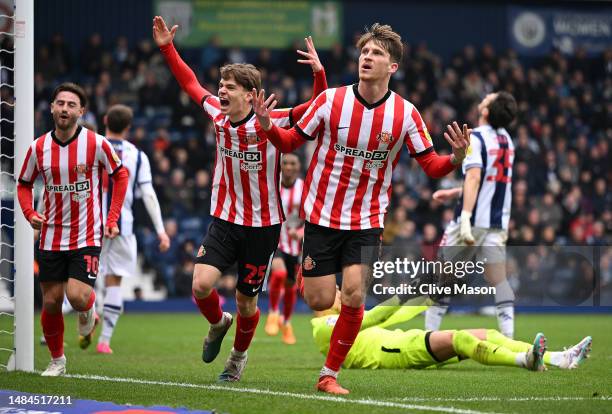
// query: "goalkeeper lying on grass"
[[378, 347]]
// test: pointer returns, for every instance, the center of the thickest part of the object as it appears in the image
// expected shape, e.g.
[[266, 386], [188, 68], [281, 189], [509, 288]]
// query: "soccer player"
[[378, 347], [282, 277], [70, 159], [118, 256], [482, 215], [245, 203], [359, 130]]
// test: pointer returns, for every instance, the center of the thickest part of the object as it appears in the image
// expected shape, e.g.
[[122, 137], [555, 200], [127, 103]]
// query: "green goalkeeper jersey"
[[375, 346]]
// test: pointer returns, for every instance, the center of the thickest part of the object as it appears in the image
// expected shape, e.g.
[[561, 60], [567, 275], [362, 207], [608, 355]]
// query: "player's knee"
[[201, 285], [78, 299], [319, 302], [352, 297], [246, 306], [53, 304]]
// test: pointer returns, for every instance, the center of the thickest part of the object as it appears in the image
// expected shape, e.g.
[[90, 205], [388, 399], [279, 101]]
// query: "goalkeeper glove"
[[466, 228]]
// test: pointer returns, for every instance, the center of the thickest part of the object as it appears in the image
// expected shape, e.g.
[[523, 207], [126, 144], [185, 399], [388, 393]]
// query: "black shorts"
[[326, 251], [291, 264], [252, 248], [80, 264]]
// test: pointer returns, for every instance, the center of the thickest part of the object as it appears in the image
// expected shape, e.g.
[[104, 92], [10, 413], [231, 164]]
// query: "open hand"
[[312, 58], [459, 140], [262, 108], [161, 34]]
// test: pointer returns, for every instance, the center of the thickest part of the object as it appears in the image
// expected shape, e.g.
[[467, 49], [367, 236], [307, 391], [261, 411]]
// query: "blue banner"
[[22, 402], [536, 31]]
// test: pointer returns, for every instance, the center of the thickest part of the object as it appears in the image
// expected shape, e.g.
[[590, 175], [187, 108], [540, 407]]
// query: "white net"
[[7, 190]]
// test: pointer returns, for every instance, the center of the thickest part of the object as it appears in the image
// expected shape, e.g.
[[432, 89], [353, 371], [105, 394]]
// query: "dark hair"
[[118, 118], [386, 38], [245, 75], [502, 110], [71, 87]]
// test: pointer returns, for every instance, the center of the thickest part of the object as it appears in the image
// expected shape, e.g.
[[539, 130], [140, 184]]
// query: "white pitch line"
[[503, 399], [370, 402]]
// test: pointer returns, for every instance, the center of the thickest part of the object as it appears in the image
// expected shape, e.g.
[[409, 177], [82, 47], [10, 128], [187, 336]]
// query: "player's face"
[[290, 166], [375, 62], [66, 110], [233, 97]]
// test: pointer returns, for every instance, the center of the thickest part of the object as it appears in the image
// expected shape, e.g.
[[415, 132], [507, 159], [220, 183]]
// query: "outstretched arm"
[[286, 140], [320, 81], [183, 73], [447, 194]]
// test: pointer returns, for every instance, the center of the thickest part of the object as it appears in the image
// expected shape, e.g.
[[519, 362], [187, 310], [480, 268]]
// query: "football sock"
[[344, 334], [210, 307], [504, 308], [498, 338], [53, 330], [113, 307], [277, 280], [493, 336], [553, 358], [433, 317], [245, 330], [289, 302], [487, 353]]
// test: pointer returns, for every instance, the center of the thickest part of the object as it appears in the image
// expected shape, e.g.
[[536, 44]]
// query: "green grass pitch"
[[157, 362]]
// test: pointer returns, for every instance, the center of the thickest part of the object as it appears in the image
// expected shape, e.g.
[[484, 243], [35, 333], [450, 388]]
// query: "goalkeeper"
[[378, 347]]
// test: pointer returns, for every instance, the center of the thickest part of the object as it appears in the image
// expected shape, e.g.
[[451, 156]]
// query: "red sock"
[[245, 330], [209, 306], [299, 280], [289, 301], [344, 334], [277, 280], [53, 329], [91, 301]]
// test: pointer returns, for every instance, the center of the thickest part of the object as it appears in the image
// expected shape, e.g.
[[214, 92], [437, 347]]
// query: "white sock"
[[521, 359], [555, 358], [504, 308], [328, 372], [113, 307], [66, 306], [221, 322], [433, 317], [238, 353]]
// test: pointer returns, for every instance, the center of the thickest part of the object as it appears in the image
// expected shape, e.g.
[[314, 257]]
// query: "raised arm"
[[320, 81], [437, 166], [183, 73], [286, 140]]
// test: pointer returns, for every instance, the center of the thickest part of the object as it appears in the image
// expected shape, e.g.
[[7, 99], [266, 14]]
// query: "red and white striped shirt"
[[347, 186], [245, 183], [72, 175], [292, 200]]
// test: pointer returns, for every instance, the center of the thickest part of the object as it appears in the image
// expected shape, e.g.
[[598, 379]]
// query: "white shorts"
[[489, 244], [118, 256]]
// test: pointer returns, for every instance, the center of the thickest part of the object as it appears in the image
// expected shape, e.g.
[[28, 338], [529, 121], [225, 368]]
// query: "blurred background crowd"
[[562, 135]]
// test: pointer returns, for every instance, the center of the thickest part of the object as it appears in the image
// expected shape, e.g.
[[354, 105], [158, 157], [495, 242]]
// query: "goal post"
[[24, 134]]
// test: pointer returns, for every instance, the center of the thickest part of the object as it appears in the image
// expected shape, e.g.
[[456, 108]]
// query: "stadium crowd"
[[561, 173]]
